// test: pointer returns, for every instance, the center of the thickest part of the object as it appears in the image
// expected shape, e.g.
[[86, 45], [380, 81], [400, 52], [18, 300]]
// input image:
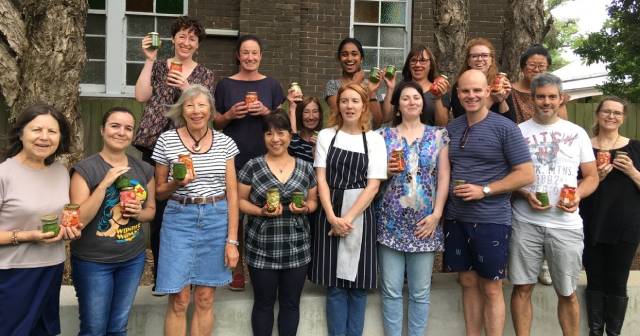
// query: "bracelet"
[[373, 99], [233, 242], [14, 238]]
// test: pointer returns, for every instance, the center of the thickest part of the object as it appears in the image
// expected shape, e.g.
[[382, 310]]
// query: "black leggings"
[[607, 267], [286, 285]]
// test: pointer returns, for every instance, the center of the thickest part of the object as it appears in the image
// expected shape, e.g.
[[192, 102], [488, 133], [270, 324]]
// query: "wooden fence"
[[582, 114]]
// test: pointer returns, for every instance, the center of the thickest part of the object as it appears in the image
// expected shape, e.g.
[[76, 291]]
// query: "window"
[[383, 28], [113, 36]]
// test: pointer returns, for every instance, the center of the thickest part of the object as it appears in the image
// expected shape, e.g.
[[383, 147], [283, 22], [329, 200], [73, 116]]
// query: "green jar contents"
[[543, 197], [50, 224], [297, 197], [273, 199], [390, 71], [458, 182], [374, 76], [123, 182], [179, 171]]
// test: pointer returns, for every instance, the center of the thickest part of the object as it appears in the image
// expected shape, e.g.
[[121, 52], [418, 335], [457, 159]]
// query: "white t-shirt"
[[557, 151], [377, 168]]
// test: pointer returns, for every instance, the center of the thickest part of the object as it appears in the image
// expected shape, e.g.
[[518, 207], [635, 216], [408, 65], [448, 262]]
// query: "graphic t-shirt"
[[557, 151], [110, 237]]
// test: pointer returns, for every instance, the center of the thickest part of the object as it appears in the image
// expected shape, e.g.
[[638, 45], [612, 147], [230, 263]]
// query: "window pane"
[[139, 25], [139, 6], [366, 11], [370, 59], [164, 26], [368, 36], [96, 24], [93, 73], [166, 50], [97, 4], [95, 47], [133, 71], [393, 12], [392, 37], [134, 49], [169, 6], [395, 57]]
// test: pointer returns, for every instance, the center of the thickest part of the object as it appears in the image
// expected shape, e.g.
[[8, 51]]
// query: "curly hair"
[[185, 22]]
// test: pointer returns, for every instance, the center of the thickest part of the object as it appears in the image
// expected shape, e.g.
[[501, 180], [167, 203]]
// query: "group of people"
[[364, 201]]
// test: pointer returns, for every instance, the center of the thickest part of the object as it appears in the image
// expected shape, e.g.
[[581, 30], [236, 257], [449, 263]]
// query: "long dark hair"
[[31, 112], [395, 101], [300, 109], [417, 51]]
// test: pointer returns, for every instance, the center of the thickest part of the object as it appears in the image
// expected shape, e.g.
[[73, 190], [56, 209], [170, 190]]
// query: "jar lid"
[[49, 218], [72, 206]]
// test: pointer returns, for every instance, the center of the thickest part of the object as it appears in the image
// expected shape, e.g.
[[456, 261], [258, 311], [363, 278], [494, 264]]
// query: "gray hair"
[[545, 79], [175, 111]]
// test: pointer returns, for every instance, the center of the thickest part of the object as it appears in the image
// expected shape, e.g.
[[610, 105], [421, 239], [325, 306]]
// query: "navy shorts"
[[479, 247], [30, 301]]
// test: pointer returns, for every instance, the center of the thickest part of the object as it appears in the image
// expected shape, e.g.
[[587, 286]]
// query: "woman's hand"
[[313, 139], [373, 87], [604, 170], [149, 54], [48, 237], [443, 87], [72, 232], [294, 96], [177, 80], [426, 227], [112, 175], [340, 227], [132, 209], [624, 164], [257, 109], [186, 180], [239, 110], [231, 255], [299, 211], [265, 213], [506, 86], [390, 83], [393, 167]]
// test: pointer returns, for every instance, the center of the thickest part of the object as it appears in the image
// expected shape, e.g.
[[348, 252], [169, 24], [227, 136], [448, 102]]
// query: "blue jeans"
[[105, 294], [419, 266], [345, 311]]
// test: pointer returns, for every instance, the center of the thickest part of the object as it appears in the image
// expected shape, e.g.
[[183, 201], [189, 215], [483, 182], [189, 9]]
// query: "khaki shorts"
[[530, 244]]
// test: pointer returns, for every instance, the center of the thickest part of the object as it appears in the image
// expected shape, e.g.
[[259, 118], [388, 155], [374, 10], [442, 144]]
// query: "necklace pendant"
[[195, 147]]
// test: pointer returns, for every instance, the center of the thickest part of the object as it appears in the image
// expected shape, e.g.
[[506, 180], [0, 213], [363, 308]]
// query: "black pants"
[[287, 286], [156, 222], [607, 267]]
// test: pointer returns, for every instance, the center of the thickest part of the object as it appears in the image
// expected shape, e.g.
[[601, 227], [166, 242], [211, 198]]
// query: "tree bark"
[[42, 57], [451, 28], [524, 26]]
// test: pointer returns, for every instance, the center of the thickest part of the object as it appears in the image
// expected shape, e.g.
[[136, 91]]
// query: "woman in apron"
[[350, 161]]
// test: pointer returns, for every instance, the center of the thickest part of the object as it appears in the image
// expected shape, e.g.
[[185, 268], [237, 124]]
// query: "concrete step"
[[233, 311]]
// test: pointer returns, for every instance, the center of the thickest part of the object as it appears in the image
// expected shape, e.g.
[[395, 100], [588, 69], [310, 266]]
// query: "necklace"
[[281, 169], [611, 146], [196, 143]]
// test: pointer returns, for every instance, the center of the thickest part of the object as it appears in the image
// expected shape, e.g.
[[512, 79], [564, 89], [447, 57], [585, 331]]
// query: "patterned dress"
[[409, 196]]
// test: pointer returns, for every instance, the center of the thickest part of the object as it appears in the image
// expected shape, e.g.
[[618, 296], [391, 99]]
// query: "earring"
[[397, 113]]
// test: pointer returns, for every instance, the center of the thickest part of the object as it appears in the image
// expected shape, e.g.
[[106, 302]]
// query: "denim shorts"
[[192, 243], [479, 247]]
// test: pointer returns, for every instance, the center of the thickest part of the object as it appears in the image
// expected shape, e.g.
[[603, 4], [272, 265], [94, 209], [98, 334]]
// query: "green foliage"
[[618, 44], [562, 34]]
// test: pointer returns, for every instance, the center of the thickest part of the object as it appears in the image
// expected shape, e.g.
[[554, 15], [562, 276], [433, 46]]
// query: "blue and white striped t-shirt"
[[210, 166], [494, 145]]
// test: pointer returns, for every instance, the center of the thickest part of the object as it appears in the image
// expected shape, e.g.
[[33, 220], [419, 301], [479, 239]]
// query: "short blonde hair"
[[335, 119], [175, 111]]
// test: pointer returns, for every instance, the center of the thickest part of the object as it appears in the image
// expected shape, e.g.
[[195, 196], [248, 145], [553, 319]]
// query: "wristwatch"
[[486, 190]]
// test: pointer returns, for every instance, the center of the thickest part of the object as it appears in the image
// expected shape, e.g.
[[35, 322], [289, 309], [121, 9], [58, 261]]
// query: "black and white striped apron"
[[345, 170]]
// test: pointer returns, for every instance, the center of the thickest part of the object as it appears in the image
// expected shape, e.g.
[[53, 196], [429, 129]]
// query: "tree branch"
[[12, 28], [9, 75]]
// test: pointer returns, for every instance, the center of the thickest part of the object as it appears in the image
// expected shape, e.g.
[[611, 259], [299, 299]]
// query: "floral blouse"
[[410, 196]]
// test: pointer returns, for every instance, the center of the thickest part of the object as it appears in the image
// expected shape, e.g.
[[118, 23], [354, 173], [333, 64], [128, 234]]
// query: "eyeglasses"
[[609, 113], [465, 137], [419, 60], [479, 56], [540, 66]]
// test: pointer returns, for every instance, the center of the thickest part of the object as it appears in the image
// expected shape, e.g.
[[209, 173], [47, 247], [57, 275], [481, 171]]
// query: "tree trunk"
[[42, 58], [524, 26], [451, 28]]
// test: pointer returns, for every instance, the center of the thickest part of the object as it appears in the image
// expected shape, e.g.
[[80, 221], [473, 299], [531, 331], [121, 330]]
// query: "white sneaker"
[[544, 277]]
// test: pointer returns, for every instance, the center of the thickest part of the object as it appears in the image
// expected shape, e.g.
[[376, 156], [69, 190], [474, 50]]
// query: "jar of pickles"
[[297, 198], [434, 89], [50, 224], [273, 199], [156, 43], [567, 195], [186, 159], [297, 90], [176, 66], [71, 215], [250, 97], [497, 86], [397, 155], [374, 75]]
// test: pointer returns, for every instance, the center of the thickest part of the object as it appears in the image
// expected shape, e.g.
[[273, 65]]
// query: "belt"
[[198, 199]]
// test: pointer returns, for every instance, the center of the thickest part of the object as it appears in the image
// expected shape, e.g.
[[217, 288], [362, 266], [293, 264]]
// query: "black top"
[[301, 148], [612, 213], [458, 110]]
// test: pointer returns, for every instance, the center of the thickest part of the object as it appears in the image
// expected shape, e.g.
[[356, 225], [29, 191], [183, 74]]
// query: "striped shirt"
[[493, 146], [210, 166], [300, 148]]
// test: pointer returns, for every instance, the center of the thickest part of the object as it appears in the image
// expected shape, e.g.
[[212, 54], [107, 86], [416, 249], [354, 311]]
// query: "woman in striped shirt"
[[198, 239], [306, 121]]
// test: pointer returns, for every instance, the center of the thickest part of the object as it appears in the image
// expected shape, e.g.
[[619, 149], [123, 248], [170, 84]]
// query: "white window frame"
[[116, 50], [406, 26]]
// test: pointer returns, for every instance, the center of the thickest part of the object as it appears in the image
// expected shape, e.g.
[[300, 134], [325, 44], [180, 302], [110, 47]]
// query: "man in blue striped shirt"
[[489, 159]]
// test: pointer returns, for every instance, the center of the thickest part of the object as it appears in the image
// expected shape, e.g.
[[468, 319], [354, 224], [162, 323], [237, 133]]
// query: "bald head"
[[473, 90]]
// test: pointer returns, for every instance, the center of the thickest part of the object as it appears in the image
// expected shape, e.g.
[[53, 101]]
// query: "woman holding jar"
[[350, 161], [242, 101], [108, 260], [481, 55], [421, 67], [277, 235], [534, 61], [198, 241], [409, 211], [306, 121], [159, 86], [611, 219], [33, 185], [351, 55]]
